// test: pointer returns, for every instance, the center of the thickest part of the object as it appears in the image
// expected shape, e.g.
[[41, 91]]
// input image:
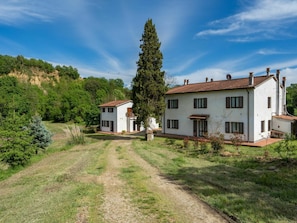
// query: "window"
[[172, 124], [103, 109], [269, 102], [262, 126], [269, 125], [234, 127], [200, 102], [173, 103], [110, 109], [105, 123], [234, 102]]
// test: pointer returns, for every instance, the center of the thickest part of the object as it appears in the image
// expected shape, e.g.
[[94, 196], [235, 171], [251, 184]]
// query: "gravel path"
[[117, 207]]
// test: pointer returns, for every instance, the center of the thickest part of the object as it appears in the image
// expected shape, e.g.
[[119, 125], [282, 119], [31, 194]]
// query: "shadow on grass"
[[245, 196]]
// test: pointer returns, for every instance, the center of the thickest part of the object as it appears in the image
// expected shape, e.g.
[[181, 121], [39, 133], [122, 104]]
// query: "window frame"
[[172, 103], [172, 124], [200, 103], [234, 127], [110, 110], [234, 102]]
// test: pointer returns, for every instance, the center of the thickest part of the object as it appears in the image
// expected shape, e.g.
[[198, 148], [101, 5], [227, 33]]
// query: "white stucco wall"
[[281, 125]]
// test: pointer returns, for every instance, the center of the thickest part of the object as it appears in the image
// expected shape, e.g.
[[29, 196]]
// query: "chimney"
[[284, 82], [211, 80], [187, 81], [251, 79], [267, 71], [206, 79], [277, 74]]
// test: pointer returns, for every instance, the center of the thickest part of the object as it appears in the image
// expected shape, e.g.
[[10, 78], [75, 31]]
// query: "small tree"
[[16, 146], [217, 142], [42, 137], [286, 149], [148, 86]]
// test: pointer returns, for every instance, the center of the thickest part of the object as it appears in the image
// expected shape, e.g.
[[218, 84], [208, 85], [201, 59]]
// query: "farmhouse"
[[254, 107], [117, 116]]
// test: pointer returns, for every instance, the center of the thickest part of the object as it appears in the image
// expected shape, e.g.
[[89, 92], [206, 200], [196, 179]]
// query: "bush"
[[217, 142], [42, 137], [16, 146], [285, 148], [75, 135]]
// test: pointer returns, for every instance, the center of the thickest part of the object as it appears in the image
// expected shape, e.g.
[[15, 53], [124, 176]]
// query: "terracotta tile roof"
[[115, 103], [240, 83]]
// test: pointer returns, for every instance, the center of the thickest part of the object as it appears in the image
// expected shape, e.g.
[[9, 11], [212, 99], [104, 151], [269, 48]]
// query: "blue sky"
[[198, 38]]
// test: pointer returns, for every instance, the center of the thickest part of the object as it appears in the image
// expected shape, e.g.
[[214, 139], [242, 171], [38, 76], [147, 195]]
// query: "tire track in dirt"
[[116, 207], [185, 205]]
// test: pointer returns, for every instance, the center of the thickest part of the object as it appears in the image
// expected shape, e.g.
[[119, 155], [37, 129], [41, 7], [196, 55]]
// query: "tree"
[[148, 86], [42, 137]]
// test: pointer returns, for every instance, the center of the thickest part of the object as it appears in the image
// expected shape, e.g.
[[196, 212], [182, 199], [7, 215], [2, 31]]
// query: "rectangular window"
[[103, 109], [105, 123], [172, 124], [173, 103], [200, 102], [269, 102], [269, 125], [110, 109], [234, 102], [262, 126], [234, 127]]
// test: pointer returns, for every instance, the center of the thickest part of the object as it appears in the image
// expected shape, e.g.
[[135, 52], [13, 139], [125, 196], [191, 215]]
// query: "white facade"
[[117, 117], [114, 117], [255, 100]]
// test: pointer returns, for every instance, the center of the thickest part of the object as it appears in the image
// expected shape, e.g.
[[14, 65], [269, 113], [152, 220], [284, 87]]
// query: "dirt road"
[[84, 184]]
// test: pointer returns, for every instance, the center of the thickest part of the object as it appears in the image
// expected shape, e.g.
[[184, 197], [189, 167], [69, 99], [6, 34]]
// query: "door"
[[202, 128], [111, 126], [195, 128]]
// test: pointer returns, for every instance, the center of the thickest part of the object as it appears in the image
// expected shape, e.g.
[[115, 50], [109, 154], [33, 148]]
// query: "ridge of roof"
[[231, 84], [115, 103]]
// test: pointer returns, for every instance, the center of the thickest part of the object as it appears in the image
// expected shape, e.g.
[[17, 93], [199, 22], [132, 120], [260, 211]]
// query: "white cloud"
[[262, 17]]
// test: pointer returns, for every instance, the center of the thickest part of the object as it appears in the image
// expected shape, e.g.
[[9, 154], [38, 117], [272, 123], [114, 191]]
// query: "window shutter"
[[205, 102], [168, 123], [241, 102], [195, 103], [168, 104], [227, 102], [227, 127]]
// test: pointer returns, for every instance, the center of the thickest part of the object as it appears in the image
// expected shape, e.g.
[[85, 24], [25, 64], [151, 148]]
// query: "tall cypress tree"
[[148, 86]]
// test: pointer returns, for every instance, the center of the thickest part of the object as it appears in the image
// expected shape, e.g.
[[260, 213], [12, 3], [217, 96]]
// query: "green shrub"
[[217, 142], [17, 145], [42, 137]]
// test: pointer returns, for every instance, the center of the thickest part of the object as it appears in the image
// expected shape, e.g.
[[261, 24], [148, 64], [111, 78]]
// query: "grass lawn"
[[249, 184]]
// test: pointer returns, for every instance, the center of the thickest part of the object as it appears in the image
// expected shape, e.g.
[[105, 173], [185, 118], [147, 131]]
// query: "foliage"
[[69, 72], [16, 142], [216, 141], [75, 135], [286, 148], [236, 140], [148, 86], [69, 99], [291, 99], [186, 142], [42, 137]]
